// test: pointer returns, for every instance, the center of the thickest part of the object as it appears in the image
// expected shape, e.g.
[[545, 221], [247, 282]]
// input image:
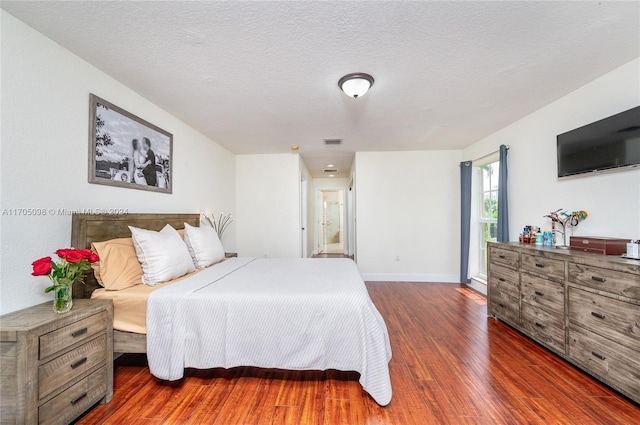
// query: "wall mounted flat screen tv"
[[607, 144]]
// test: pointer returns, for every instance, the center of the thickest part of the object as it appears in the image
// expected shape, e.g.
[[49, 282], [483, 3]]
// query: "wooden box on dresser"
[[55, 366], [584, 307]]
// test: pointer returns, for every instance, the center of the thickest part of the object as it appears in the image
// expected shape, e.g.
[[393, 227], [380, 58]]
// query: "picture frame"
[[127, 151]]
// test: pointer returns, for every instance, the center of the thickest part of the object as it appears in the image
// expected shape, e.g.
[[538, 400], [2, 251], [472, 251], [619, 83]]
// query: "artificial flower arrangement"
[[72, 266]]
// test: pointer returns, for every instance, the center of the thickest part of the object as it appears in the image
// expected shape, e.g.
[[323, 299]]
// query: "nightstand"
[[230, 254], [55, 366]]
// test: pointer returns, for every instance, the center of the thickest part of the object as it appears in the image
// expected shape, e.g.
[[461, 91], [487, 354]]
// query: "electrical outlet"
[[397, 258]]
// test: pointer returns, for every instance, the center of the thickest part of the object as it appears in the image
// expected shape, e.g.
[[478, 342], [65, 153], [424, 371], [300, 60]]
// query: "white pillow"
[[163, 255], [204, 245]]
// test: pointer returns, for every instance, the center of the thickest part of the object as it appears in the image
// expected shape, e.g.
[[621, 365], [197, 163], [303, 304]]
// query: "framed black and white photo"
[[127, 151]]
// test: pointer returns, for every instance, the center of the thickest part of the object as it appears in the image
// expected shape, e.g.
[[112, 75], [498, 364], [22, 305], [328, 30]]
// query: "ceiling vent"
[[332, 141], [330, 170]]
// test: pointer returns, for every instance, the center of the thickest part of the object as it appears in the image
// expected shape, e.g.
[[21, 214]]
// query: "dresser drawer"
[[613, 362], [625, 284], [504, 257], [504, 306], [71, 334], [75, 400], [58, 372], [546, 328], [616, 320], [543, 293], [496, 285], [504, 274], [547, 266]]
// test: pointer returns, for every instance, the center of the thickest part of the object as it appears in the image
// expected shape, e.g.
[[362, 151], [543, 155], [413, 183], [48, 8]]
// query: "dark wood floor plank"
[[451, 365]]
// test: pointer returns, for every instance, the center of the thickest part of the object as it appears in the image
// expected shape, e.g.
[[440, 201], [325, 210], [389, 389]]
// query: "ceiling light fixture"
[[356, 84], [330, 165]]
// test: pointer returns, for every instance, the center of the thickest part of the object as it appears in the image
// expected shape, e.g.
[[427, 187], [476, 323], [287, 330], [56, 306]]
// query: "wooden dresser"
[[55, 366], [584, 307]]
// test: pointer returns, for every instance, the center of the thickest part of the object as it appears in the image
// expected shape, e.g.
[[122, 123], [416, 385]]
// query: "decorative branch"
[[566, 219], [221, 224]]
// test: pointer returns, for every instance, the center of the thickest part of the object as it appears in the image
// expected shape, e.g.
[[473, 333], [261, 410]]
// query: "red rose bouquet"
[[71, 267]]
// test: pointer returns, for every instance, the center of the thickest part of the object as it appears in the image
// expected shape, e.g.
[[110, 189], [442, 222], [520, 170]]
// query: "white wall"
[[408, 206], [45, 118], [612, 200], [268, 205]]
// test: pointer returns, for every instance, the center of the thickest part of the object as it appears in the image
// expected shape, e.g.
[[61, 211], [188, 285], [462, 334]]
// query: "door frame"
[[318, 218], [304, 232]]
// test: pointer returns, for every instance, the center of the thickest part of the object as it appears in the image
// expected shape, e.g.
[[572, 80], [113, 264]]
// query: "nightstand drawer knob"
[[540, 294], [540, 265], [503, 305], [540, 325], [501, 279], [598, 355], [79, 332], [598, 315], [78, 363], [80, 397], [598, 279], [502, 256]]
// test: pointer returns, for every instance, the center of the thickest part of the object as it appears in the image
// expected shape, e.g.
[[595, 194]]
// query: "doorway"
[[331, 234]]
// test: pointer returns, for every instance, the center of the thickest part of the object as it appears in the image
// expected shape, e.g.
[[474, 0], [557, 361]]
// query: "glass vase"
[[62, 301]]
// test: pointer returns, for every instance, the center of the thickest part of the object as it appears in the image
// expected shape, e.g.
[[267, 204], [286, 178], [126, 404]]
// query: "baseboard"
[[400, 277], [478, 285]]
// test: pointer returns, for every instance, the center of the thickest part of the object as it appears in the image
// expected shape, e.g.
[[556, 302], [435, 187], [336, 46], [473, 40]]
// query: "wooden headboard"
[[89, 228]]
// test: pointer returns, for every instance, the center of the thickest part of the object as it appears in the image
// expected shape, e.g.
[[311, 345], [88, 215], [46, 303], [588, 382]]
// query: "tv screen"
[[613, 142]]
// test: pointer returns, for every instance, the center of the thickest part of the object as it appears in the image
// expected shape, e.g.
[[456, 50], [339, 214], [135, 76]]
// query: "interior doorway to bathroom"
[[330, 231]]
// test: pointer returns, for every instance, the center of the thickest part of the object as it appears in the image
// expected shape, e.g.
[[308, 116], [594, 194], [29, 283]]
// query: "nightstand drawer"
[[71, 334], [616, 320], [543, 293], [539, 264], [58, 372], [70, 403], [625, 284]]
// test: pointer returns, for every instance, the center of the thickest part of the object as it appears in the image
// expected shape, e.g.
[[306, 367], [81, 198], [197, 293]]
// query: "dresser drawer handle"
[[502, 305], [598, 315], [540, 265], [79, 332], [501, 279], [598, 279], [540, 325], [80, 397], [504, 257], [540, 294], [78, 363], [598, 355]]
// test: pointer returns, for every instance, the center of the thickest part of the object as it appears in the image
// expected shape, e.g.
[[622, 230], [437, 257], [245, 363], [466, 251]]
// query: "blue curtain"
[[503, 197], [465, 218]]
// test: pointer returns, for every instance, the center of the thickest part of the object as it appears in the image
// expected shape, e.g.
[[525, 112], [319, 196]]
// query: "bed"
[[294, 314]]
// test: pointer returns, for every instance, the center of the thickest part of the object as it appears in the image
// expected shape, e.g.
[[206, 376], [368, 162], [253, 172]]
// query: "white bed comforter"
[[296, 314]]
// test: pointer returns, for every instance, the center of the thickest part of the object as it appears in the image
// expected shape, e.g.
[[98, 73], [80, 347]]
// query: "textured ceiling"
[[258, 77]]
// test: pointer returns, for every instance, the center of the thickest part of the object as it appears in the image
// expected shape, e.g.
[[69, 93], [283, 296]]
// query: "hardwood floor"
[[451, 365]]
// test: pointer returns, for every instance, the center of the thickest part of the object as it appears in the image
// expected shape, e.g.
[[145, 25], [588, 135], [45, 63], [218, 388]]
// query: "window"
[[487, 214]]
